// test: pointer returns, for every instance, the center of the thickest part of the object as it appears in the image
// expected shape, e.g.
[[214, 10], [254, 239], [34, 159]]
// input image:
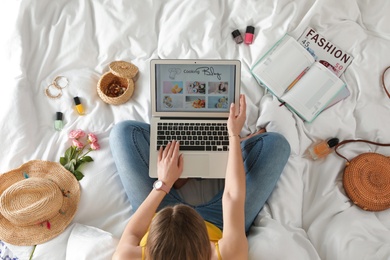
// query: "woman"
[[166, 227]]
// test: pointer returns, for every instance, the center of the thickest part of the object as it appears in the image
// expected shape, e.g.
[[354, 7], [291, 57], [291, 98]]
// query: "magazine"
[[326, 52]]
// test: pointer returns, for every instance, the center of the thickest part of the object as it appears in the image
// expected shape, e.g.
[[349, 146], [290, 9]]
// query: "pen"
[[296, 80]]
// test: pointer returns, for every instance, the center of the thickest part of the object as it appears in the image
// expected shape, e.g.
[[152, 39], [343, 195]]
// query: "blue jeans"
[[265, 156]]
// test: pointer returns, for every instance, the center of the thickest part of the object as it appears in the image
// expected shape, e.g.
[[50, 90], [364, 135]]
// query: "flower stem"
[[32, 253], [81, 156], [74, 151]]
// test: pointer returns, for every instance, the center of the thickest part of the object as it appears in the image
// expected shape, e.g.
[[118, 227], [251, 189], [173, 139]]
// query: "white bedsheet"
[[308, 215]]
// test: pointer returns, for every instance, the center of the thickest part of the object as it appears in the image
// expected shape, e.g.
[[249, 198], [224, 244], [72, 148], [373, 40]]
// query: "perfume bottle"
[[322, 148], [58, 123], [79, 106]]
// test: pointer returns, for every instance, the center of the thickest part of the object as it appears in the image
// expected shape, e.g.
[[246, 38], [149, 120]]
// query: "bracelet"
[[239, 136]]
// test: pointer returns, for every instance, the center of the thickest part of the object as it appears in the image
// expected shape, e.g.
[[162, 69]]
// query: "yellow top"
[[215, 234]]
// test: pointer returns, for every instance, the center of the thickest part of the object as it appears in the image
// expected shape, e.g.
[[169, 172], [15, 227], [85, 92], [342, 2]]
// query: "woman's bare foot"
[[262, 130]]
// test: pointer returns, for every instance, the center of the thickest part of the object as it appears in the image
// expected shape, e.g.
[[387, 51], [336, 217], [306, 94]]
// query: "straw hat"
[[38, 201]]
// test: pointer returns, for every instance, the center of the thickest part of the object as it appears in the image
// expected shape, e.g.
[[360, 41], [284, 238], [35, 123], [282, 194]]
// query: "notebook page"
[[313, 92], [282, 65]]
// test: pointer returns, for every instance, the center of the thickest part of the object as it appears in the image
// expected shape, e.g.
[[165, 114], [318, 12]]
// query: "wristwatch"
[[160, 185]]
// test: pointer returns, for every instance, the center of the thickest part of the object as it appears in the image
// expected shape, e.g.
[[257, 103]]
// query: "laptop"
[[190, 103]]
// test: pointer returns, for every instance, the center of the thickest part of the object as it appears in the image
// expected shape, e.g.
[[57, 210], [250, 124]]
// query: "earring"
[[56, 82], [50, 95]]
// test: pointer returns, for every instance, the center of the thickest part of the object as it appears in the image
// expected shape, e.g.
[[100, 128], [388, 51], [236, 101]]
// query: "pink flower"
[[92, 138], [75, 156], [76, 134], [79, 145], [95, 146]]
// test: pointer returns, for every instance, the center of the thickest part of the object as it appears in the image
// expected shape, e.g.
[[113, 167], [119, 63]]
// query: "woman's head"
[[178, 232]]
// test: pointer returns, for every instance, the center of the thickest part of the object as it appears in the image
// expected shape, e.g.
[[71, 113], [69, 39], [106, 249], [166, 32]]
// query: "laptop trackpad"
[[196, 165]]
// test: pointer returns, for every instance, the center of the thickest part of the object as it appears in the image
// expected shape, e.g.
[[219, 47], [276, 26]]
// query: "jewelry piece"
[[234, 136], [59, 78], [50, 95]]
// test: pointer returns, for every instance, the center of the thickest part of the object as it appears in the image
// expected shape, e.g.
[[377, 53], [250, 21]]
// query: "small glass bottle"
[[249, 34], [79, 106], [58, 123], [322, 148], [237, 36]]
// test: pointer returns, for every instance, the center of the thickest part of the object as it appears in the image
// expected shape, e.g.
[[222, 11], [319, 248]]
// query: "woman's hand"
[[234, 242], [169, 169], [236, 122], [170, 163]]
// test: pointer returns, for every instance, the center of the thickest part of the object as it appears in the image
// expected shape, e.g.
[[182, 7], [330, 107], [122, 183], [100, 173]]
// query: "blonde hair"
[[178, 232]]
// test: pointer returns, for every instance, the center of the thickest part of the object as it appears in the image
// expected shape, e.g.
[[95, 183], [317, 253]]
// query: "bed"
[[308, 216]]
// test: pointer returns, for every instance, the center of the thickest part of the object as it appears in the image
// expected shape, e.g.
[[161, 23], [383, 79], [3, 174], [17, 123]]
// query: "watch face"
[[158, 184]]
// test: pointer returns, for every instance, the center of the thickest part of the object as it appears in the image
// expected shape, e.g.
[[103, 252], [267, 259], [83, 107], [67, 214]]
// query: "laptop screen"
[[195, 86]]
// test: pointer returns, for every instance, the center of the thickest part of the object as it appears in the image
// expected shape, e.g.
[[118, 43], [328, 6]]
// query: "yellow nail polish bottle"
[[79, 106]]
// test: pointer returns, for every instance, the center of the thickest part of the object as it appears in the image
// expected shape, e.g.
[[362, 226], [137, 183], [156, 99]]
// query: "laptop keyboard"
[[194, 136]]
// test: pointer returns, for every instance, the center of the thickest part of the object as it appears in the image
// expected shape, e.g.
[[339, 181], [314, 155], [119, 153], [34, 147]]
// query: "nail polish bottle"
[[58, 123], [237, 36], [322, 148], [249, 34], [79, 106]]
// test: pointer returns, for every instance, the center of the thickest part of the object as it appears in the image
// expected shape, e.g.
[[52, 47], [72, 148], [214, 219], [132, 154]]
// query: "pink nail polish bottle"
[[249, 34]]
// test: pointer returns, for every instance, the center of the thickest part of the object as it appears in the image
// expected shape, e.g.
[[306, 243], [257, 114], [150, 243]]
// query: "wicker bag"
[[117, 86], [366, 178]]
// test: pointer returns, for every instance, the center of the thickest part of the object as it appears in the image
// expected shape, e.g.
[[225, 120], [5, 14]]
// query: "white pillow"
[[86, 242], [52, 249]]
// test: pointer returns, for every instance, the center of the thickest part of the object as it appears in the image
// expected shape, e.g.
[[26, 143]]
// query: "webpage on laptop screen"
[[195, 87]]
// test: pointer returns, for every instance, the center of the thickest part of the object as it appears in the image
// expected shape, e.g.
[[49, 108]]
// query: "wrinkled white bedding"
[[308, 215]]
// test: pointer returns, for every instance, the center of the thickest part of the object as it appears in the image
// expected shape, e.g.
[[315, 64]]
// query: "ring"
[[56, 82], [50, 95]]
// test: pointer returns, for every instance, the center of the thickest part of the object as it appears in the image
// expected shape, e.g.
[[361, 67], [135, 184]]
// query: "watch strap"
[[163, 187]]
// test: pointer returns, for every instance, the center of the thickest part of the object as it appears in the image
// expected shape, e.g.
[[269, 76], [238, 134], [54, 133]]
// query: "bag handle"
[[383, 81], [351, 141], [365, 141]]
